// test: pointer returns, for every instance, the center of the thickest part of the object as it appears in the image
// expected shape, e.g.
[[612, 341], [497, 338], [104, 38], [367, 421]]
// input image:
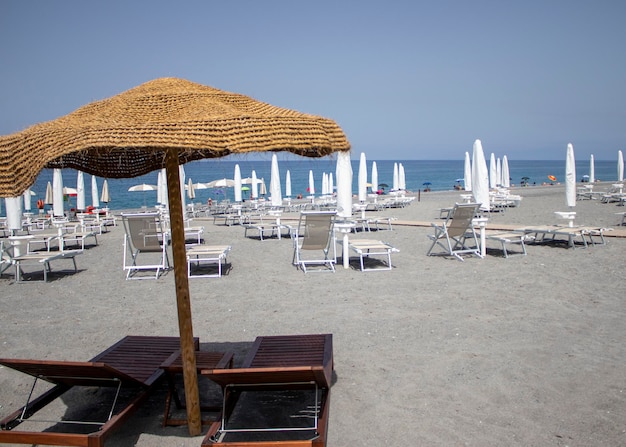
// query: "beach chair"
[[145, 245], [293, 371], [313, 240], [369, 248], [453, 234], [131, 367]]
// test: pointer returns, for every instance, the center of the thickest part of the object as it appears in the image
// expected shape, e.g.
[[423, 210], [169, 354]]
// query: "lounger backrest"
[[316, 230], [461, 218], [144, 231]]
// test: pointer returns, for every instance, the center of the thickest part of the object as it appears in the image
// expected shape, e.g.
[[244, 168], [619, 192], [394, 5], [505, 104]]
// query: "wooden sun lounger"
[[133, 362], [277, 363]]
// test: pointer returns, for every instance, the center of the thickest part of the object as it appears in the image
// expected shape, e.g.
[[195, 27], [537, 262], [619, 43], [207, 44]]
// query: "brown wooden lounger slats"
[[277, 363], [134, 361]]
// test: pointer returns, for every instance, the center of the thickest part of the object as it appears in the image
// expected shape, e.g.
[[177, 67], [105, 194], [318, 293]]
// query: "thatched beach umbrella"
[[162, 124]]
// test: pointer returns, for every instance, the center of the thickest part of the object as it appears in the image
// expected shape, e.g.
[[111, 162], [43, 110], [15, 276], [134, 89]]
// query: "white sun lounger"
[[367, 248], [208, 254]]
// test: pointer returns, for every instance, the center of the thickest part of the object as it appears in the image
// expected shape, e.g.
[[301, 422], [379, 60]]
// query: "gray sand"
[[520, 351]]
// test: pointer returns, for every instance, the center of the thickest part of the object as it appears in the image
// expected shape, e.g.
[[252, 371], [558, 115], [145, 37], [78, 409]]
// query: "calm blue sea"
[[441, 174]]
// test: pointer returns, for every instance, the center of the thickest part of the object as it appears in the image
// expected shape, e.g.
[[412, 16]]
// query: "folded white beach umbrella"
[[324, 183], [28, 195], [254, 192], [95, 202], [331, 183], [374, 177], [80, 191], [570, 177], [506, 176], [275, 194], [396, 181], [182, 181], [49, 197], [401, 177], [288, 184], [467, 173], [14, 213], [498, 172], [105, 196], [620, 166], [362, 179], [237, 177], [592, 170], [492, 171], [57, 193], [311, 183], [480, 177], [343, 173]]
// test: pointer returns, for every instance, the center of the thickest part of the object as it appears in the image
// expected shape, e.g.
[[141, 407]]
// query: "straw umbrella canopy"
[[162, 124]]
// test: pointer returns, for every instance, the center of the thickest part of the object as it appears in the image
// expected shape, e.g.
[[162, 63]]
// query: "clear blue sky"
[[405, 79]]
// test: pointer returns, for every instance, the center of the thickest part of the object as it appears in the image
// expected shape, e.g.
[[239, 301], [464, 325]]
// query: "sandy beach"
[[524, 351]]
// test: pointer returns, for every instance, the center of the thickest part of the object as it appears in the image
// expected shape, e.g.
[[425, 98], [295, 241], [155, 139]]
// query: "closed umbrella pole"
[[255, 186], [80, 191], [493, 175], [237, 178], [14, 213], [94, 192], [480, 177], [105, 196], [275, 194], [288, 184], [28, 194], [467, 173], [311, 183], [570, 177], [57, 192], [396, 178], [362, 178], [374, 177], [506, 176]]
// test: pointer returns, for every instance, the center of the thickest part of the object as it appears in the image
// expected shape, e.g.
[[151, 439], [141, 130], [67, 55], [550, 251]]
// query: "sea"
[[437, 175]]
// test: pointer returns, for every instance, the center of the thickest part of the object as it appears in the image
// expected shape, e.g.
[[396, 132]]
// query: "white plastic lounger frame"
[[366, 248], [209, 254]]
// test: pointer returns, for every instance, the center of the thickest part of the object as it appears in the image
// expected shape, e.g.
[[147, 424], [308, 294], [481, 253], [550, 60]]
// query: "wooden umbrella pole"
[[183, 302]]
